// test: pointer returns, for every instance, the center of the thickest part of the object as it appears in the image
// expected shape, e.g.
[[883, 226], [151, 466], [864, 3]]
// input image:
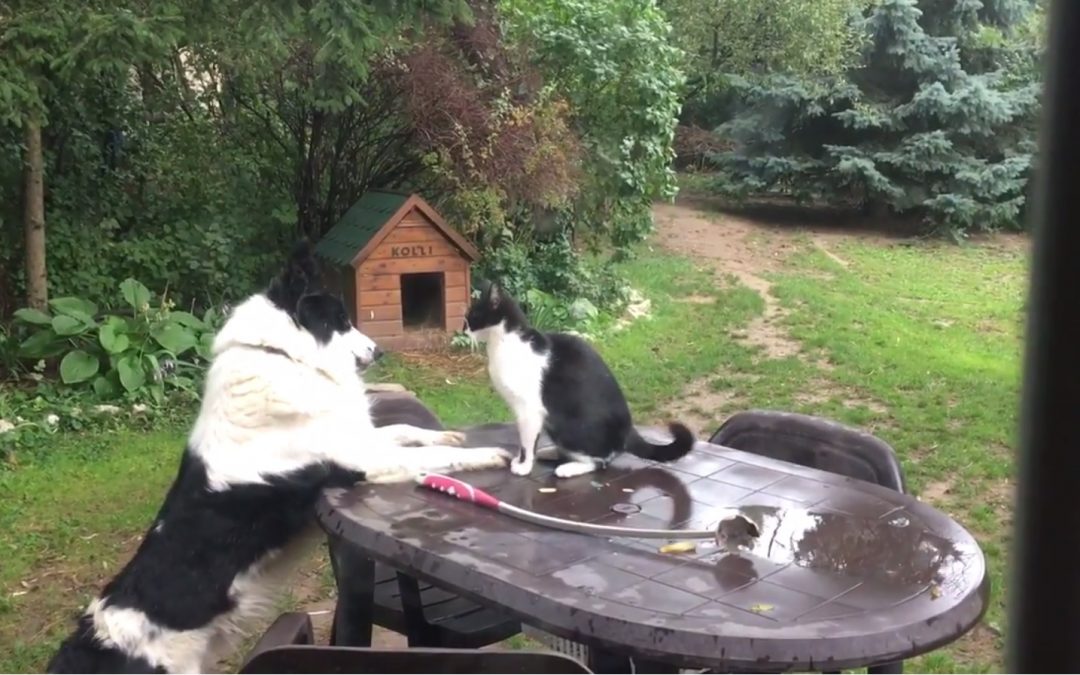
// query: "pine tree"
[[937, 121]]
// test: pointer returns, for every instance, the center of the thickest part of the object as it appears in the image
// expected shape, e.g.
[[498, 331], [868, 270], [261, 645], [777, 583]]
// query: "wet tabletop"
[[843, 574]]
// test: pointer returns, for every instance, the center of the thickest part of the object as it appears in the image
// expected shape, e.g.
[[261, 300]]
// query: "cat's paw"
[[571, 469], [520, 467]]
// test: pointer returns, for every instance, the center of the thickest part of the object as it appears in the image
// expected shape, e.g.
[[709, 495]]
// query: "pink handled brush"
[[467, 493]]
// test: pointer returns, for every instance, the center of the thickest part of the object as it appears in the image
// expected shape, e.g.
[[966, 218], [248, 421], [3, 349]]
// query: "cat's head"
[[491, 310]]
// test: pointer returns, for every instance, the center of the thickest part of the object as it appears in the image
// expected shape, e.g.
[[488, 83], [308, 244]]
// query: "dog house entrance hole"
[[422, 300]]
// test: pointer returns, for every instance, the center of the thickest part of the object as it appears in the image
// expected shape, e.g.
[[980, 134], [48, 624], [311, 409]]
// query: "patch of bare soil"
[[308, 592], [451, 363], [822, 245], [1001, 496], [982, 640], [727, 244], [55, 595], [745, 247], [818, 392], [700, 406], [936, 493], [697, 300]]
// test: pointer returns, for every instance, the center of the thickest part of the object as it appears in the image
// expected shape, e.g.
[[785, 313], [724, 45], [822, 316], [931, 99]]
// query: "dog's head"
[[491, 309], [297, 292]]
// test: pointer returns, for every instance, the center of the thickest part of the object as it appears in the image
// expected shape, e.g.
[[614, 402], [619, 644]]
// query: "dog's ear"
[[300, 274], [302, 266]]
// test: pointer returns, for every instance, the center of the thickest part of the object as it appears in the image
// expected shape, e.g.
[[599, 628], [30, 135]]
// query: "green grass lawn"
[[919, 343], [66, 522]]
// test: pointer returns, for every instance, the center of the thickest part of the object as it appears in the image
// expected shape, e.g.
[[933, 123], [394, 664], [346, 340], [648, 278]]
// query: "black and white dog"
[[284, 415]]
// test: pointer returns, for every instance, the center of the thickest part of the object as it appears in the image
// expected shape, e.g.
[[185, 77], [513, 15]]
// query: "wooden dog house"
[[403, 271]]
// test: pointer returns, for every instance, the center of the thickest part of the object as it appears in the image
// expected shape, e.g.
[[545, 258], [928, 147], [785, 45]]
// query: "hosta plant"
[[137, 349]]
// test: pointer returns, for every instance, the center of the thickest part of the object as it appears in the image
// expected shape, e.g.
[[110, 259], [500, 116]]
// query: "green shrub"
[[137, 353], [554, 266]]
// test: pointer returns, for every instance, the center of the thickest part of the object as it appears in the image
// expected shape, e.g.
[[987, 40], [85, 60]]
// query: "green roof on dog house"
[[404, 272]]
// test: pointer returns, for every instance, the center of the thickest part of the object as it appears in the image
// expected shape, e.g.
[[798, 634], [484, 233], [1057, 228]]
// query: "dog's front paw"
[[451, 438], [520, 467], [391, 475], [483, 458]]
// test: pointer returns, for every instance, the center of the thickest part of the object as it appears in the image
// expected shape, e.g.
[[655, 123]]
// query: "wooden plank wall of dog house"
[[414, 246], [379, 307], [379, 303]]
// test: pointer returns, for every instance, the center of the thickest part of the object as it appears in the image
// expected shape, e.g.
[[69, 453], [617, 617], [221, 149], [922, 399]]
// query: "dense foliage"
[[936, 121], [186, 142], [139, 351], [614, 62]]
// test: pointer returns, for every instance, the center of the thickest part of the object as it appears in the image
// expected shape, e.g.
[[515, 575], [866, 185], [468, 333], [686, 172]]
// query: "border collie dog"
[[284, 416], [558, 383]]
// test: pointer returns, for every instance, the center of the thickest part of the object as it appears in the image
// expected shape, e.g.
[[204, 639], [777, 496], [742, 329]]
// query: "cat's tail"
[[681, 446]]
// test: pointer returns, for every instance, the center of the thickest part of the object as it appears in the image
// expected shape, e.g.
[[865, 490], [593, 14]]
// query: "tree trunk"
[[37, 285]]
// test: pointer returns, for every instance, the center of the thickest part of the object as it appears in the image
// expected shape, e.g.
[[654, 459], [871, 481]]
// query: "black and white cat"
[[559, 384]]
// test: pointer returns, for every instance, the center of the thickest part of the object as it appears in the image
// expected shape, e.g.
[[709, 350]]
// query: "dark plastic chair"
[[427, 615], [813, 442], [819, 444], [288, 647]]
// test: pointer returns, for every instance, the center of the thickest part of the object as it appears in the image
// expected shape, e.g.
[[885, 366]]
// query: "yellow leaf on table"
[[679, 547], [761, 608]]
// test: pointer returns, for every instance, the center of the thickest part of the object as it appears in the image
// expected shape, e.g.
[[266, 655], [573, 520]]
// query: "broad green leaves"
[[113, 338], [131, 372], [78, 366], [67, 325], [121, 354], [33, 316], [174, 337], [76, 307], [136, 294]]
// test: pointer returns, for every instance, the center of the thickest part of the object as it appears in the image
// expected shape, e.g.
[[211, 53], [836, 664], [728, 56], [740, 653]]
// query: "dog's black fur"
[[203, 539]]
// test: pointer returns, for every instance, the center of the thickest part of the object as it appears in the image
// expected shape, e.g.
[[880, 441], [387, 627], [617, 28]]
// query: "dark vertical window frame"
[[1044, 630]]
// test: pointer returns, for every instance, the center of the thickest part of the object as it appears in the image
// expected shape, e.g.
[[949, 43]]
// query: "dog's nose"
[[377, 355]]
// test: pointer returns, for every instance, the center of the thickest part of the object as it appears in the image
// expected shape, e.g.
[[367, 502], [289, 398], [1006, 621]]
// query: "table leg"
[[354, 574], [608, 662]]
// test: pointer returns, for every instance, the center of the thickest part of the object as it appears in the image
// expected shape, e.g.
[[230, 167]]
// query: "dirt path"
[[739, 248]]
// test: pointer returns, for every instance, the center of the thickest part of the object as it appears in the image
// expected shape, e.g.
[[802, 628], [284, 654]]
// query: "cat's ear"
[[494, 295]]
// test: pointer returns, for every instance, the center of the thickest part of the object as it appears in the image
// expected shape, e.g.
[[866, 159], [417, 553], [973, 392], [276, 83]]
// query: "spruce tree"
[[937, 121]]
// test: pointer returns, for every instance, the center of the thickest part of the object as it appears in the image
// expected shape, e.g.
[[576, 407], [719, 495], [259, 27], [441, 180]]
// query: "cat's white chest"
[[516, 371]]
